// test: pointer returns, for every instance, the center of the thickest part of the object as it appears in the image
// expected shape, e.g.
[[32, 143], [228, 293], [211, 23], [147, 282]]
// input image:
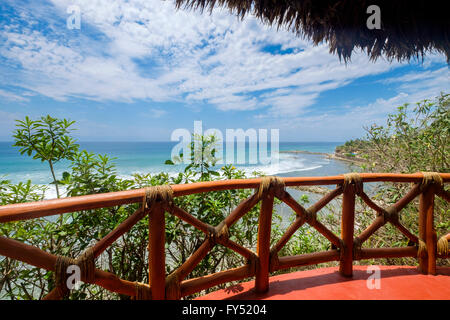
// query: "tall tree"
[[46, 139]]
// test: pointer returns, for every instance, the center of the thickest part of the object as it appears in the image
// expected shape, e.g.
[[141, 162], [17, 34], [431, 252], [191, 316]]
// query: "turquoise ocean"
[[149, 157]]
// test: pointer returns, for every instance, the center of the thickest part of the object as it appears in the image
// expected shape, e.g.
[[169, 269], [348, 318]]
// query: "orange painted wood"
[[26, 253], [23, 211], [39, 258], [370, 203], [183, 215], [30, 210], [426, 203], [316, 224], [316, 207], [325, 232], [243, 208], [307, 259], [374, 253], [431, 236], [53, 295], [294, 205], [397, 283], [246, 253], [443, 194], [191, 286], [299, 221], [444, 256], [378, 222], [406, 232], [157, 257], [194, 259], [263, 243], [123, 228], [34, 256], [347, 229], [408, 197]]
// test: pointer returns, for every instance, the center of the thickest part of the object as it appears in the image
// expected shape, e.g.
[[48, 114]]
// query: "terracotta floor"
[[396, 282]]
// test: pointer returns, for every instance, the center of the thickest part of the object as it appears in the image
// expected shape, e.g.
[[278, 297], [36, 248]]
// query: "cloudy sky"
[[138, 70]]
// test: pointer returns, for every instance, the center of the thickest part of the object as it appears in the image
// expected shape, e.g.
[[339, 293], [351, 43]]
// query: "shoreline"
[[304, 152], [334, 156], [320, 190]]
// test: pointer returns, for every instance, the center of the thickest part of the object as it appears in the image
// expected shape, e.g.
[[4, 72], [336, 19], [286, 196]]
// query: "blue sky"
[[137, 70]]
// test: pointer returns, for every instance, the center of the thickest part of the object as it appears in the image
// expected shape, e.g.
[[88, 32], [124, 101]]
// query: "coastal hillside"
[[414, 138]]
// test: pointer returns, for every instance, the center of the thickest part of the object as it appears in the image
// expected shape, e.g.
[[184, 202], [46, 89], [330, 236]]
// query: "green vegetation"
[[72, 233], [409, 142], [46, 139], [412, 140]]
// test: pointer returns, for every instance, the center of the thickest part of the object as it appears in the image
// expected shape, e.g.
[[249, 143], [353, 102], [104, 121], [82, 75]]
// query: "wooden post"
[[263, 244], [347, 228], [426, 202], [156, 229], [431, 237]]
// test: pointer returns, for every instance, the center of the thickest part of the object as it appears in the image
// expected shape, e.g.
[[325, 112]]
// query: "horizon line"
[[165, 141]]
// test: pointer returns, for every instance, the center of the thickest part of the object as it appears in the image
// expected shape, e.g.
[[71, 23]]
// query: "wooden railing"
[[346, 248]]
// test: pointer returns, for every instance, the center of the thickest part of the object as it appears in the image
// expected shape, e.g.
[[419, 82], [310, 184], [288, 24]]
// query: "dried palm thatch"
[[409, 28]]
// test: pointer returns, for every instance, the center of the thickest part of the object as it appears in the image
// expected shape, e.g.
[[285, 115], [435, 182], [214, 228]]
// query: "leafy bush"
[[47, 139], [412, 140], [70, 234], [409, 142]]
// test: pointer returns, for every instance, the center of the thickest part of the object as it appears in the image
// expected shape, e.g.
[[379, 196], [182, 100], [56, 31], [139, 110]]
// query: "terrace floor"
[[396, 282]]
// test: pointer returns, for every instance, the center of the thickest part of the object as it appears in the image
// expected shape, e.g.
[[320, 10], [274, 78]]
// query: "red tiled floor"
[[397, 282]]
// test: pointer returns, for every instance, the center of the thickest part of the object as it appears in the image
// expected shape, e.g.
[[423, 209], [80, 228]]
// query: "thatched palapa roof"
[[409, 28]]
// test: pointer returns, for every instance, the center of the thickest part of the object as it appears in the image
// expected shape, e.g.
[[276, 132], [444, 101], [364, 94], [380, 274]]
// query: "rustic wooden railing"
[[346, 248]]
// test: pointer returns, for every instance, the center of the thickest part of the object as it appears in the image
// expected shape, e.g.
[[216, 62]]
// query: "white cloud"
[[150, 51], [349, 121], [207, 57], [157, 113], [12, 97], [289, 104], [419, 76]]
